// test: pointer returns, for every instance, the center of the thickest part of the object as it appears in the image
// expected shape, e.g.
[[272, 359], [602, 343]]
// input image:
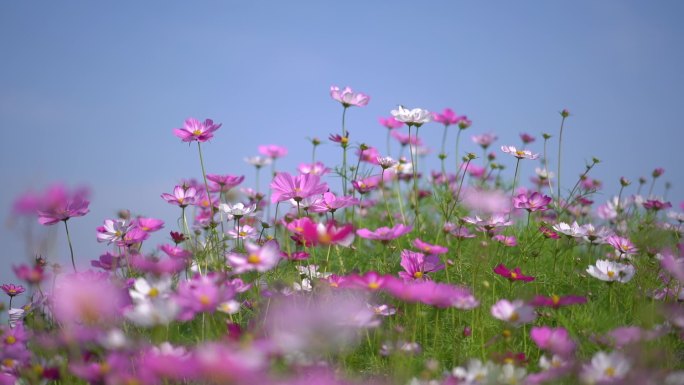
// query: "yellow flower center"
[[508, 360], [197, 132], [153, 292], [242, 233], [105, 368], [344, 140], [38, 369], [12, 291], [514, 275], [324, 239], [8, 363], [514, 316], [298, 229], [418, 274], [253, 259], [10, 340], [373, 285], [520, 153], [609, 372], [555, 299], [426, 248], [610, 274], [506, 333], [204, 299]]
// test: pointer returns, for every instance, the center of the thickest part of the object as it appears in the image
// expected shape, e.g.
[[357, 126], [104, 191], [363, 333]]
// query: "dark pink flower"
[[512, 275], [107, 262], [366, 185], [327, 234], [623, 246], [385, 234], [656, 205], [526, 138], [548, 233], [555, 340], [369, 155], [31, 274], [348, 97], [194, 130], [556, 301], [12, 289], [658, 172], [447, 117], [285, 187], [431, 293], [175, 252]]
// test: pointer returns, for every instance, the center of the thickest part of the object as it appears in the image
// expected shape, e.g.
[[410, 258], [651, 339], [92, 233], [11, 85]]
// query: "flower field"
[[376, 270]]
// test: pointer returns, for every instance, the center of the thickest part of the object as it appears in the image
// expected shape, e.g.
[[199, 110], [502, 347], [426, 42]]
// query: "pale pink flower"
[[484, 140], [272, 151], [515, 313], [348, 97], [261, 259], [286, 187], [519, 153], [385, 234]]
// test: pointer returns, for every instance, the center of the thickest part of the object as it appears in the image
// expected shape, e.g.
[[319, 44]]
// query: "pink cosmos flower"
[[31, 274], [390, 123], [369, 155], [348, 97], [286, 187], [405, 140], [261, 259], [431, 293], [272, 151], [532, 202], [555, 340], [12, 289], [623, 246], [484, 140], [516, 313], [157, 266], [429, 248], [526, 138], [175, 252], [364, 186], [87, 299], [107, 262], [520, 154], [548, 233], [317, 168], [331, 203], [370, 281], [327, 234], [194, 130], [416, 265], [447, 117], [182, 196], [385, 234], [556, 301], [223, 183], [656, 205], [673, 265], [60, 205], [506, 240], [202, 294], [148, 225]]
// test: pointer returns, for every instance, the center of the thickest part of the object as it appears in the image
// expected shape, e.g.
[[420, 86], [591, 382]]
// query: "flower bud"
[[565, 113], [624, 182]]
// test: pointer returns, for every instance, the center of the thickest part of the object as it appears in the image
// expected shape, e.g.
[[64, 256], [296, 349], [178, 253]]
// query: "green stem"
[[558, 175], [71, 248], [344, 153]]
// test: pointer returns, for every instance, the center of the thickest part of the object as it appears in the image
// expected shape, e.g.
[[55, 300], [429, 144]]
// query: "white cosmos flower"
[[237, 210], [474, 373], [606, 367], [611, 271], [258, 161], [415, 117]]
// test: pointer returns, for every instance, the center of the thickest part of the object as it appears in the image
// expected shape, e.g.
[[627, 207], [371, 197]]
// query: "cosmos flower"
[[12, 290], [113, 230], [390, 123], [555, 340], [317, 168], [429, 248], [223, 183], [331, 203], [416, 265], [532, 202], [623, 246], [515, 313], [62, 205], [484, 140], [272, 151], [415, 117], [238, 210], [512, 275], [606, 368], [258, 258], [520, 154], [556, 301], [385, 234], [611, 271], [259, 161], [447, 117], [182, 196], [286, 187], [348, 97], [194, 130]]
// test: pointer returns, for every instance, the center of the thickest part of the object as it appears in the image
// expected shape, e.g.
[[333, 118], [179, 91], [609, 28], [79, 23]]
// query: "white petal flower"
[[415, 117], [611, 271]]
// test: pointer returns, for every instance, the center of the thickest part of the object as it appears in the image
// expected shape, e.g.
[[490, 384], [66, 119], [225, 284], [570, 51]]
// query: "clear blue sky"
[[90, 91]]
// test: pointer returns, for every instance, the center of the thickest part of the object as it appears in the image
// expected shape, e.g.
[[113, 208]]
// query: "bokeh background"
[[90, 91]]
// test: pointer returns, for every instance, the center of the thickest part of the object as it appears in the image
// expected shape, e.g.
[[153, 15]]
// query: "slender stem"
[[515, 178], [558, 175], [443, 155], [458, 140], [389, 149], [204, 174], [401, 204], [546, 168], [344, 153], [71, 248], [382, 190]]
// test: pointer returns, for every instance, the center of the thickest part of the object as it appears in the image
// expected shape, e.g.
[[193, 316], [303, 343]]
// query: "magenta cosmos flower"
[[532, 202], [348, 97], [62, 205], [416, 265], [12, 289], [327, 234], [512, 275], [431, 293], [385, 234], [261, 259], [194, 130], [449, 117], [286, 187], [520, 154]]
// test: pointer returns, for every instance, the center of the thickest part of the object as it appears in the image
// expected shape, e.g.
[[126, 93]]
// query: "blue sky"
[[90, 91]]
